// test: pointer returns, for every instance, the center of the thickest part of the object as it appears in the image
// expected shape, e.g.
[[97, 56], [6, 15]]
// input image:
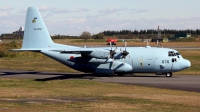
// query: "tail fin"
[[36, 35]]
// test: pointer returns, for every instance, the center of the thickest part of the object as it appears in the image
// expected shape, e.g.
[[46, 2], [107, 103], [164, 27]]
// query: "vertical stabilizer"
[[36, 35]]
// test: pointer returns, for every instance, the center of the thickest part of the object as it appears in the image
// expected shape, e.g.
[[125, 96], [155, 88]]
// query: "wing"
[[75, 51], [90, 52]]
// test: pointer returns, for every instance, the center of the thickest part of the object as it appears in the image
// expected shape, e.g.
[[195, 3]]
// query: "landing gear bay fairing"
[[105, 60]]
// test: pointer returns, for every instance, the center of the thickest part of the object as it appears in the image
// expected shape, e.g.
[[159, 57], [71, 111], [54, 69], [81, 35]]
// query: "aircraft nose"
[[188, 63], [184, 64]]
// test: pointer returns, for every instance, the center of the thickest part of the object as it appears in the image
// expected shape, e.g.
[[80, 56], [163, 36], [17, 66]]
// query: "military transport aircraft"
[[104, 60]]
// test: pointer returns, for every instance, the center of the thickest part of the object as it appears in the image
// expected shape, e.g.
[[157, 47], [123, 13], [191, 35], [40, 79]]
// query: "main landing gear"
[[169, 74], [120, 74]]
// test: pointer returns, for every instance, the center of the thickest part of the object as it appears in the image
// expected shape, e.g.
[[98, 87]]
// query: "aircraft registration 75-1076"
[[104, 60]]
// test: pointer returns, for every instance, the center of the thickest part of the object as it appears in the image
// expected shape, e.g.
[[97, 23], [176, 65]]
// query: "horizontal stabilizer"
[[21, 50]]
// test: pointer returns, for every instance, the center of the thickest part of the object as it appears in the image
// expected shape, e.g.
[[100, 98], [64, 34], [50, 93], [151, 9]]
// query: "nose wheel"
[[169, 74]]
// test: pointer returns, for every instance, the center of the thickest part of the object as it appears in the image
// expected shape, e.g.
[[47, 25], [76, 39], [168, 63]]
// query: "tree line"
[[122, 34], [151, 31]]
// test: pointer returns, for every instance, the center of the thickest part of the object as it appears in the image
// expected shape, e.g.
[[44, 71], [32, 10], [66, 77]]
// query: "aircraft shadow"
[[75, 76], [17, 73], [86, 76], [64, 76]]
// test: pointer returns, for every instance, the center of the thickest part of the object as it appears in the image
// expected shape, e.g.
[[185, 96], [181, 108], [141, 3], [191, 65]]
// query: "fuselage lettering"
[[37, 28], [165, 61]]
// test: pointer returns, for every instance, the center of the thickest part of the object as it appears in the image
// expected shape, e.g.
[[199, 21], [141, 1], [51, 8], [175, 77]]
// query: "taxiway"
[[178, 82]]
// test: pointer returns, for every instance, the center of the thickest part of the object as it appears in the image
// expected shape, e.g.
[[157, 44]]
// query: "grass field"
[[90, 96]]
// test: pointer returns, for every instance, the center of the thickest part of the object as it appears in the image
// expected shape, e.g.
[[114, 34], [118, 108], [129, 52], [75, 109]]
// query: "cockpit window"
[[171, 53], [177, 54]]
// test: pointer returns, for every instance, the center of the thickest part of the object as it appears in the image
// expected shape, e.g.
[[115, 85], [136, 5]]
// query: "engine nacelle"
[[100, 54], [116, 67]]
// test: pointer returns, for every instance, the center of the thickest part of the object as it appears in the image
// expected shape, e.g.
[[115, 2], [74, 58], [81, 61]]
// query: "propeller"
[[124, 53], [112, 52]]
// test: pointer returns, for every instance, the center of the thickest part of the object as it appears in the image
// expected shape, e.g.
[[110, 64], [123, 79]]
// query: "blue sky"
[[72, 17]]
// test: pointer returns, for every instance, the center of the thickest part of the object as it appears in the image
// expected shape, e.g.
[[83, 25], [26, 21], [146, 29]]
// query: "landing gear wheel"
[[120, 74], [169, 74]]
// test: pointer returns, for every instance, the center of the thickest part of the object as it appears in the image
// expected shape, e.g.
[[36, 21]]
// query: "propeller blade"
[[128, 55], [113, 61], [111, 45], [121, 50], [115, 48], [125, 45], [108, 56], [123, 61]]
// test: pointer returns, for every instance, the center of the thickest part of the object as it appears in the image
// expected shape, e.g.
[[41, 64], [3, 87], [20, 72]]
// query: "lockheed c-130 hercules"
[[101, 60]]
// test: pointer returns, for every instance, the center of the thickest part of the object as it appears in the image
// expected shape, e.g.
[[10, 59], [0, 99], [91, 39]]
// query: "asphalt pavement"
[[178, 82]]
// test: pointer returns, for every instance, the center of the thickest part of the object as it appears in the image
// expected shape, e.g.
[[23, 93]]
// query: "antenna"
[[147, 42], [158, 36], [164, 31]]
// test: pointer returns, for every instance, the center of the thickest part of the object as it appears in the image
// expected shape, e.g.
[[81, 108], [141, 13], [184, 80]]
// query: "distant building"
[[180, 35], [183, 35], [165, 40], [155, 39], [19, 32]]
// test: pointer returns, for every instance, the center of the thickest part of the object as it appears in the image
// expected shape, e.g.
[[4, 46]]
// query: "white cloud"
[[142, 11], [6, 8], [11, 22], [4, 14], [133, 10], [22, 11], [125, 24], [43, 9], [82, 10], [53, 10], [76, 20], [111, 10], [48, 15], [76, 25], [61, 11]]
